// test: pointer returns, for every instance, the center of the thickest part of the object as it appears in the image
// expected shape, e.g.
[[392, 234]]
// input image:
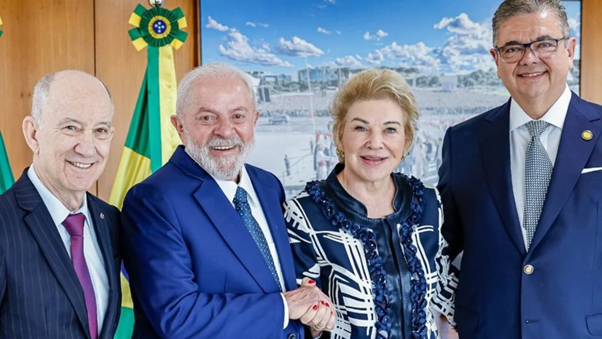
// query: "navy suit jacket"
[[194, 269], [497, 296], [40, 294]]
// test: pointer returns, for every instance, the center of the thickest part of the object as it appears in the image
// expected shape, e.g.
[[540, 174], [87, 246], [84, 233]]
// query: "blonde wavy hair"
[[374, 84]]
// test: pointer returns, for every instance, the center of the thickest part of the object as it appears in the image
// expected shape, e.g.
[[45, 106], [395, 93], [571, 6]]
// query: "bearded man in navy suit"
[[59, 259], [521, 187], [206, 245]]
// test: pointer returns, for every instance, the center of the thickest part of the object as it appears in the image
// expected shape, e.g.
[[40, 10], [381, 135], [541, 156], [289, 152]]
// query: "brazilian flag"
[[151, 138], [6, 175]]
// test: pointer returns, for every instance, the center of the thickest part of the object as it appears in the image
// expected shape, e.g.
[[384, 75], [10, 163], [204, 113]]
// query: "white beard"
[[223, 168]]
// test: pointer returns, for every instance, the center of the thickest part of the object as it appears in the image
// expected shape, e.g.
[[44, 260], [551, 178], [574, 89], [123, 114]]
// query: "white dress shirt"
[[92, 252], [519, 141], [229, 188]]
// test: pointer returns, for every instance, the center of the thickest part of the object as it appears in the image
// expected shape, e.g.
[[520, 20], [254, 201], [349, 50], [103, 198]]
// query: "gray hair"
[[512, 8], [214, 70], [41, 90]]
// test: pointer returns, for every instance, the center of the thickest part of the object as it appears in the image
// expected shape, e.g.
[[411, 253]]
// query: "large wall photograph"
[[300, 52]]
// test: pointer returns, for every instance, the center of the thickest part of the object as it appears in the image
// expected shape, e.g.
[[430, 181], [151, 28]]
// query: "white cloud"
[[460, 24], [575, 26], [348, 61], [338, 32], [298, 47], [381, 34], [238, 48], [257, 24], [213, 24], [375, 58], [331, 1], [467, 48], [377, 36], [323, 30]]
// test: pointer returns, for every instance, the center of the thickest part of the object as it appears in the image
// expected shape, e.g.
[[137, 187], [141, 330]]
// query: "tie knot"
[[240, 196], [75, 224], [536, 127]]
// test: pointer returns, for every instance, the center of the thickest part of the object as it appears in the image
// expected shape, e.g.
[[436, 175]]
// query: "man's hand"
[[310, 305]]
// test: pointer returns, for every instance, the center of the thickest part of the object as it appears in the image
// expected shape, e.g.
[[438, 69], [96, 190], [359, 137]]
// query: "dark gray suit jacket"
[[40, 295]]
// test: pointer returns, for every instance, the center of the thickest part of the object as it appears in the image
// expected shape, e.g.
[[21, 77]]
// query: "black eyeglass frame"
[[528, 45]]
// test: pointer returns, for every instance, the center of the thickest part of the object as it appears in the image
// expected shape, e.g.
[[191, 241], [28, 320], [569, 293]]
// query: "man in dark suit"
[[521, 187], [207, 250], [59, 265]]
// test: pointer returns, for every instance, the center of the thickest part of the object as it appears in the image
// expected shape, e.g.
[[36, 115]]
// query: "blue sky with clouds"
[[276, 36]]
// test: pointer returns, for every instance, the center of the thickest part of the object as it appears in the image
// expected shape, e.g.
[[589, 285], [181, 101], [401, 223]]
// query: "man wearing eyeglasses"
[[521, 187]]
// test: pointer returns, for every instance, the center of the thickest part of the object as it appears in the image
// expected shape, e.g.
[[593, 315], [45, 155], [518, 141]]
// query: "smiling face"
[[71, 145], [373, 140], [531, 80], [216, 126]]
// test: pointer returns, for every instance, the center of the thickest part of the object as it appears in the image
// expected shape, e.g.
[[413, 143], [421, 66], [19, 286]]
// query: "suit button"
[[528, 269], [292, 336]]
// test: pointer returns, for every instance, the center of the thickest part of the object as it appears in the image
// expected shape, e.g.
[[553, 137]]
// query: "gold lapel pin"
[[102, 215], [587, 135]]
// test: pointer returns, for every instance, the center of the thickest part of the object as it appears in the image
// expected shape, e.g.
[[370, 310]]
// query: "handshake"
[[311, 306]]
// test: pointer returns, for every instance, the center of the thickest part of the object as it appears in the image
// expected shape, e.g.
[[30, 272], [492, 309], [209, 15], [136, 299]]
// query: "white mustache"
[[219, 142]]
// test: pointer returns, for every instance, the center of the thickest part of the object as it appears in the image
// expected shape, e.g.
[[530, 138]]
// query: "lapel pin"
[[102, 215], [587, 135]]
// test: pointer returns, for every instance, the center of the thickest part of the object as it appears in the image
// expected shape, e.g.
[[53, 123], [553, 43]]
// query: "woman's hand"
[[311, 306]]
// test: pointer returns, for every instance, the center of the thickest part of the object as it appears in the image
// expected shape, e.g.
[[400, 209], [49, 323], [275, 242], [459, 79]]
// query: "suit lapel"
[[229, 224], [102, 230], [51, 245], [573, 153], [272, 208], [495, 152]]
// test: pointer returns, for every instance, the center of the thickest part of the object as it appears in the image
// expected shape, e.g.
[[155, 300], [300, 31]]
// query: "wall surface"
[[44, 36], [591, 50]]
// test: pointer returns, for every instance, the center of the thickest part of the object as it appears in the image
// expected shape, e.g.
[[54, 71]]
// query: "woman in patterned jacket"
[[369, 237]]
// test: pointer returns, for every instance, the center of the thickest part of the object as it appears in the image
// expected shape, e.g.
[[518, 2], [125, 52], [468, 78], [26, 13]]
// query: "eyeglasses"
[[542, 49]]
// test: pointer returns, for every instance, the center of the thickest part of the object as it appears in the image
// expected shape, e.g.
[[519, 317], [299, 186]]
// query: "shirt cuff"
[[286, 320]]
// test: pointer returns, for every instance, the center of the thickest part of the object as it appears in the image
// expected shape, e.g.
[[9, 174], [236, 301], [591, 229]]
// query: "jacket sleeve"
[[165, 288], [301, 238], [450, 239]]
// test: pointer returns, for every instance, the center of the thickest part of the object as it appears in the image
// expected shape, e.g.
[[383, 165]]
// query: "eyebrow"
[[69, 120], [72, 120], [386, 122], [539, 38], [203, 109]]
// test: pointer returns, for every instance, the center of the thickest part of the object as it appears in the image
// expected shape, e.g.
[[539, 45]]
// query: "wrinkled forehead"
[[224, 91], [529, 27], [82, 98]]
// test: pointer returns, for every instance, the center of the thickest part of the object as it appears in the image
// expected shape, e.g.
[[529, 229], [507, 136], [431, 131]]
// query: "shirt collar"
[[229, 187], [554, 116], [55, 207]]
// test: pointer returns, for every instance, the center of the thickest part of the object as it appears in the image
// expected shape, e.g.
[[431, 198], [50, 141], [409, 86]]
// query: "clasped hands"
[[311, 306]]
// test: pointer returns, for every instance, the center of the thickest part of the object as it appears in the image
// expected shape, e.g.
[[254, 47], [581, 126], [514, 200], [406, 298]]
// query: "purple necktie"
[[75, 226]]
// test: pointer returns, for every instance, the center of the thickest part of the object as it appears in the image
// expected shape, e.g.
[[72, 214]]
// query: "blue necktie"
[[241, 204], [538, 171]]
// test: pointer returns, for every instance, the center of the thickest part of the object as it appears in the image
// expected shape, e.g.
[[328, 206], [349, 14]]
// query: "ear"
[[497, 59], [496, 56], [177, 124], [256, 117], [111, 133], [30, 132], [571, 45]]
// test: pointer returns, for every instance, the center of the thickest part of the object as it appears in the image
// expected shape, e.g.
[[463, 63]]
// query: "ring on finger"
[[317, 328]]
